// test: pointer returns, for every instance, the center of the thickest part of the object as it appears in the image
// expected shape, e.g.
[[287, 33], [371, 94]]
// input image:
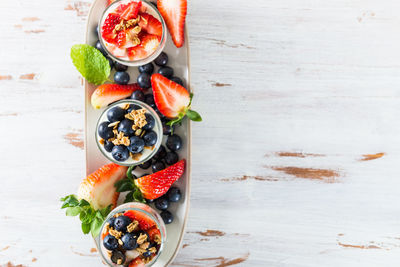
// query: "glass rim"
[[155, 217], [150, 58], [159, 132]]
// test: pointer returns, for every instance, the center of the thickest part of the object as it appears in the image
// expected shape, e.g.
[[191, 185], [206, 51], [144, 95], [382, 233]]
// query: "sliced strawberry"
[[110, 2], [121, 39], [145, 222], [108, 93], [108, 26], [152, 232], [136, 52], [137, 262], [171, 98], [150, 43], [130, 11], [150, 24], [157, 184], [174, 14], [98, 188], [104, 234]]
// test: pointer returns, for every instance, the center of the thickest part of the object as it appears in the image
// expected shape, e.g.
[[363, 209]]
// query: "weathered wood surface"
[[295, 163]]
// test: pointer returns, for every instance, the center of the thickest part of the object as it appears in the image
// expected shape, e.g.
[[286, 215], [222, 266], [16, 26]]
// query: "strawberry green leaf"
[[193, 115], [129, 172], [91, 63], [138, 196]]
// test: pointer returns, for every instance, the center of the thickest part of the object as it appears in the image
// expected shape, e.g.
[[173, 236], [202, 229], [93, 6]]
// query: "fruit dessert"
[[129, 132], [132, 235], [132, 30]]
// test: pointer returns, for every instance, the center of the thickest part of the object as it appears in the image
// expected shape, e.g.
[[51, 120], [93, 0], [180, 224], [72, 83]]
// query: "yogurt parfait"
[[132, 32], [132, 235], [129, 132]]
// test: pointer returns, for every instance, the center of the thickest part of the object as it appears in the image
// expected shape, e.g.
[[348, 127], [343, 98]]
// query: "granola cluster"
[[132, 29]]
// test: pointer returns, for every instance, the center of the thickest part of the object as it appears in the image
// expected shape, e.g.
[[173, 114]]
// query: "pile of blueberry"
[[137, 139]]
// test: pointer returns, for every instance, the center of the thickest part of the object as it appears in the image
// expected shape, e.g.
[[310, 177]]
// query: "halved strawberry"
[[145, 222], [152, 232], [108, 93], [150, 24], [171, 98], [98, 188], [130, 11], [108, 26], [174, 14], [157, 184], [137, 262], [150, 43]]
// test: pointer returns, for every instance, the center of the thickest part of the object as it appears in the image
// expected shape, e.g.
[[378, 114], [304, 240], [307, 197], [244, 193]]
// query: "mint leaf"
[[193, 115], [73, 211], [69, 201], [91, 63], [138, 196], [86, 228], [95, 226], [129, 172]]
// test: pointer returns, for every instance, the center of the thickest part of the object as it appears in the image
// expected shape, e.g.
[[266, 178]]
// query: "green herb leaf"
[[129, 197], [193, 115], [95, 226], [73, 211], [69, 201], [91, 63], [86, 228], [129, 172], [83, 203], [138, 196], [126, 187]]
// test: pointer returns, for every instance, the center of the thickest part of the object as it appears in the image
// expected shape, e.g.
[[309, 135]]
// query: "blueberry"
[[167, 216], [110, 242], [145, 165], [150, 138], [99, 47], [166, 72], [108, 146], [148, 68], [177, 80], [119, 67], [158, 166], [110, 62], [132, 107], [129, 241], [118, 256], [160, 154], [149, 201], [167, 129], [161, 203], [174, 194], [144, 80], [150, 122], [125, 126], [104, 131], [149, 100], [162, 59], [121, 77], [136, 144], [116, 114], [171, 158], [111, 221], [120, 153], [121, 222], [96, 30], [138, 95], [174, 142]]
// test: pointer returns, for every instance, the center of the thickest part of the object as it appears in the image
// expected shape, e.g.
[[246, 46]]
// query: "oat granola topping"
[[120, 242], [145, 245], [142, 238], [115, 233], [153, 250], [126, 106], [116, 215], [147, 260], [140, 250], [138, 117], [135, 156], [132, 226], [101, 141], [113, 124], [157, 239], [119, 261], [120, 139]]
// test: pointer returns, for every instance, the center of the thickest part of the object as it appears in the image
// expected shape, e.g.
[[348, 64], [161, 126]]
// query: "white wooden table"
[[295, 164]]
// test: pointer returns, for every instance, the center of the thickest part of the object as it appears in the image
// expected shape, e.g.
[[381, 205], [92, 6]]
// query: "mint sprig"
[[191, 114], [128, 185], [91, 219], [91, 63]]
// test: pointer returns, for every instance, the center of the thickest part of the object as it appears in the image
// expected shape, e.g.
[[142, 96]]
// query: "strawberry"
[[130, 11], [157, 184], [108, 93], [150, 24], [121, 39], [145, 222], [152, 232], [136, 52], [150, 43], [174, 14], [98, 188], [108, 26], [137, 262]]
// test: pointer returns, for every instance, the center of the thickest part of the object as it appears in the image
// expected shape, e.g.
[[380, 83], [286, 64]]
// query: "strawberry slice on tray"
[[107, 93], [174, 14]]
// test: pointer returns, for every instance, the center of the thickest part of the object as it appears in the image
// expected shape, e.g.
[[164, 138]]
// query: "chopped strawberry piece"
[[145, 222], [171, 98], [157, 184], [108, 26], [137, 262], [110, 2], [174, 14], [107, 93], [121, 39], [150, 24], [104, 234], [130, 11], [150, 43], [152, 232], [136, 52]]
